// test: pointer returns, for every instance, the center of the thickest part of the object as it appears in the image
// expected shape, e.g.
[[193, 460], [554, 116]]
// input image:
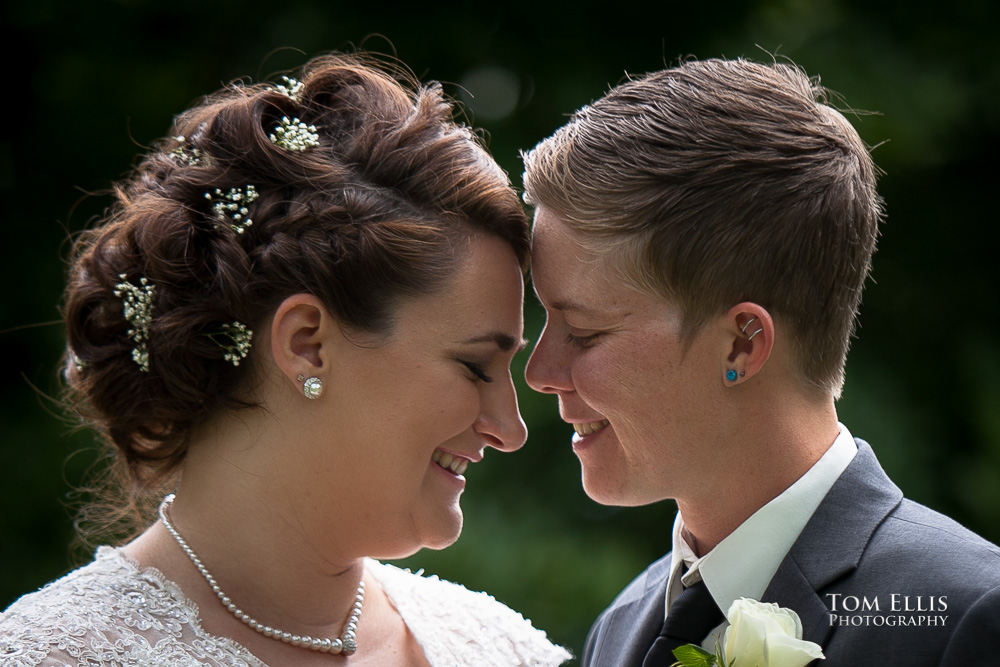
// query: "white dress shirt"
[[743, 563]]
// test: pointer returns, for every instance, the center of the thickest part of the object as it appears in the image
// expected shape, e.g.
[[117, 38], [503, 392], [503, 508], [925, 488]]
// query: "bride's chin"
[[438, 545], [439, 535], [444, 538], [443, 529]]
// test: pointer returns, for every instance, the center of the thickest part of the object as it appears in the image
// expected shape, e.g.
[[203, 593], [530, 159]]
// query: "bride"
[[299, 316]]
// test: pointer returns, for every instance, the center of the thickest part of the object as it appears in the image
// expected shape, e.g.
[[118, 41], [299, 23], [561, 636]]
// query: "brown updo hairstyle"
[[380, 210]]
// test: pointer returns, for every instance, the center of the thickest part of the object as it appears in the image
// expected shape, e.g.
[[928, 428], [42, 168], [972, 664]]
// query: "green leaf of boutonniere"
[[690, 655]]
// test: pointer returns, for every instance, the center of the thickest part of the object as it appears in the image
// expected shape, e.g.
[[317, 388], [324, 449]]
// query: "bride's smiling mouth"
[[453, 464]]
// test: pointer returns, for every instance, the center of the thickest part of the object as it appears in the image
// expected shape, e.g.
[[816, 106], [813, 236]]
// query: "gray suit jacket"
[[866, 576]]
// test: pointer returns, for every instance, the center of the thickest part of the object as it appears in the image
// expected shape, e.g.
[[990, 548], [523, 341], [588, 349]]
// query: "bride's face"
[[405, 417]]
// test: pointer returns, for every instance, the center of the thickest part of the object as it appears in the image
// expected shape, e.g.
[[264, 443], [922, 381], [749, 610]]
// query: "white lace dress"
[[110, 612]]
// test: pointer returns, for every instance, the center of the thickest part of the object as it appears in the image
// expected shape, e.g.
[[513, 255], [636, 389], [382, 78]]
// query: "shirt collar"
[[743, 563]]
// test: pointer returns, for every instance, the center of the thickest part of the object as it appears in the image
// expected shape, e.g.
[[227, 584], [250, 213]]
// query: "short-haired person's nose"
[[547, 371], [500, 419]]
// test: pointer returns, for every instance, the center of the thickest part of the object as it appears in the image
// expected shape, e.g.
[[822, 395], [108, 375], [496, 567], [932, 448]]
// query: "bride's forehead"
[[485, 293]]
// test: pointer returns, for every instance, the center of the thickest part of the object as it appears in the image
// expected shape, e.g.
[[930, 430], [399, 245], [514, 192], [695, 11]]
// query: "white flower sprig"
[[292, 89], [231, 207], [187, 156], [759, 633], [137, 306], [294, 135], [235, 339], [78, 363]]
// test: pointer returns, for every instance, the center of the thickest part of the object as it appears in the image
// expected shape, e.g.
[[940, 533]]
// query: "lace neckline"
[[115, 611], [177, 594]]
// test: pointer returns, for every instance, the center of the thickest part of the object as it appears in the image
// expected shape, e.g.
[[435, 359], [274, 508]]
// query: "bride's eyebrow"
[[505, 342]]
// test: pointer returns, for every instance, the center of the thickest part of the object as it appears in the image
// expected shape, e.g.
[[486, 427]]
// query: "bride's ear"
[[751, 332], [301, 337]]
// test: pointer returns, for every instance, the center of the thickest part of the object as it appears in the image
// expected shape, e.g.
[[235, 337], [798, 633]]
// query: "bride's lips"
[[452, 463]]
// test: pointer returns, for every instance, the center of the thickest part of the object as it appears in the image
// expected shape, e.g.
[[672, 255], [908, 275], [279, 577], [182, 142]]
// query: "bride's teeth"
[[585, 429], [456, 464]]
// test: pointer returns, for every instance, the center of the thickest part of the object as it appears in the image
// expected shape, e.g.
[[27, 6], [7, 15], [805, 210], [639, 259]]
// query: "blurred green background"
[[89, 83]]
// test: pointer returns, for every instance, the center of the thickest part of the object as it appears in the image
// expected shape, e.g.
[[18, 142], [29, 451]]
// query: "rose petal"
[[744, 639], [785, 651], [764, 634]]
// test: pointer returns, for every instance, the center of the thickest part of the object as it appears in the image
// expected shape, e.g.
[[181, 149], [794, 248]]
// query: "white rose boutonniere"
[[760, 634]]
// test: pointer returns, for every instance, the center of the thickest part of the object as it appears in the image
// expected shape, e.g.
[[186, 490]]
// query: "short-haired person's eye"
[[582, 341]]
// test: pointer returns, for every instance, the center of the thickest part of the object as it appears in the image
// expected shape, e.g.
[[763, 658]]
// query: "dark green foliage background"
[[89, 83]]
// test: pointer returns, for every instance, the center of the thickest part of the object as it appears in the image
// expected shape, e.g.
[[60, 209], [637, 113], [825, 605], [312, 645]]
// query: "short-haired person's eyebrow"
[[595, 313], [569, 306], [505, 342], [565, 305]]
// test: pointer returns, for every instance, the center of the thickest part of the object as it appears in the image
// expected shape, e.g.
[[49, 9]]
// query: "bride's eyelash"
[[581, 341], [478, 371]]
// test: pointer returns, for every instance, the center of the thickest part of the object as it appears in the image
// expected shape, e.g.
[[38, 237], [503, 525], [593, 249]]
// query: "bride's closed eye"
[[477, 370]]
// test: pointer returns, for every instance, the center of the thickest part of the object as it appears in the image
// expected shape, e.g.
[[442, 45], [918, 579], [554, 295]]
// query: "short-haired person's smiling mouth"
[[583, 429]]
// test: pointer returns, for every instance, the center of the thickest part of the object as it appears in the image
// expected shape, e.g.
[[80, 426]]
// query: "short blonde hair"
[[721, 181]]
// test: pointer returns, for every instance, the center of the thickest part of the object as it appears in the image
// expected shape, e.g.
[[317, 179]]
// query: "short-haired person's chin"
[[612, 492]]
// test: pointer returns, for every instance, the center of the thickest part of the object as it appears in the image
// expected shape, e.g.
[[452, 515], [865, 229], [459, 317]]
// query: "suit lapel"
[[631, 624], [791, 589], [833, 541]]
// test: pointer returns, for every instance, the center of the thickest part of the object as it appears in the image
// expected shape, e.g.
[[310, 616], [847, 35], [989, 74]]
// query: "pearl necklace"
[[346, 643]]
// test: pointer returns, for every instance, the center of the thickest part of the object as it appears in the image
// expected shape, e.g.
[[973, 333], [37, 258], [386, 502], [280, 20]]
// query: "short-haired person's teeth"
[[456, 464], [587, 428]]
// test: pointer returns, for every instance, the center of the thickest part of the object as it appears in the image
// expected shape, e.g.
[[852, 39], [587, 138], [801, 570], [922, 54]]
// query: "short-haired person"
[[300, 316], [702, 235]]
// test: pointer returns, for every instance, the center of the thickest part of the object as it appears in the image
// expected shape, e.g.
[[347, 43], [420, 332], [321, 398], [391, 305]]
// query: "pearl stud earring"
[[312, 387]]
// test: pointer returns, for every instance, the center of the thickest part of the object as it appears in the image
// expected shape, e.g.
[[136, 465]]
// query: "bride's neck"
[[244, 523], [269, 574]]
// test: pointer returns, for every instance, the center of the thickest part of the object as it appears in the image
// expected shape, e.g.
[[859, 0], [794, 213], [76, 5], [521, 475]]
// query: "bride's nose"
[[500, 419]]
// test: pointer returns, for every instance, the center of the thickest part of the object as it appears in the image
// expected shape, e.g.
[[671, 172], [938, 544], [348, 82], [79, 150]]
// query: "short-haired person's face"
[[410, 413], [641, 402]]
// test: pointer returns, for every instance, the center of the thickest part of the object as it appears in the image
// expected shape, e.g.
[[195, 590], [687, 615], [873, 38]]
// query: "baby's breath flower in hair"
[[187, 156], [292, 89], [235, 339], [231, 207], [78, 363], [294, 135], [137, 306]]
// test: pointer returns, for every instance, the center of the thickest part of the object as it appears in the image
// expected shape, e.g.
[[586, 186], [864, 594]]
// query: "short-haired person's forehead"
[[561, 268], [572, 280]]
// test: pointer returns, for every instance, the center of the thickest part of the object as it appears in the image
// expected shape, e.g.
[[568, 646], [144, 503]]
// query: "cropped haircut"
[[382, 209], [722, 181]]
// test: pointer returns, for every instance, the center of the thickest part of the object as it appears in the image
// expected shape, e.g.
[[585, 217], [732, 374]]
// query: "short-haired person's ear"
[[299, 331], [752, 331]]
